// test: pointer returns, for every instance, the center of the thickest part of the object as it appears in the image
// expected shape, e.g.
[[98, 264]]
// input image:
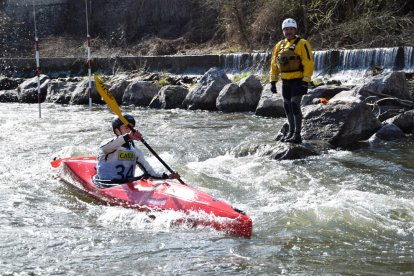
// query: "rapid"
[[341, 213]]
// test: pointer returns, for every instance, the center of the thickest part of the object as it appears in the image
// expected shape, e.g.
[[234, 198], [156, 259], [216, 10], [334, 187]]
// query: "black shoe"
[[288, 136], [295, 139]]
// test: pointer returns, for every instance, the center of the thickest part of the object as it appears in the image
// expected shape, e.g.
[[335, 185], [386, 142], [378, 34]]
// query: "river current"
[[341, 213]]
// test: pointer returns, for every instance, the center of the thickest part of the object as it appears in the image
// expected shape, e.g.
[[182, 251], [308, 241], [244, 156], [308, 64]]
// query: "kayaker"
[[118, 157], [292, 60]]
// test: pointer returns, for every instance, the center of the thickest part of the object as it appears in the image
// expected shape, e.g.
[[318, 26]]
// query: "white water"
[[343, 213]]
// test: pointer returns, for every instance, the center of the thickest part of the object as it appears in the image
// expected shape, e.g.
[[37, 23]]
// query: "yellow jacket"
[[302, 49]]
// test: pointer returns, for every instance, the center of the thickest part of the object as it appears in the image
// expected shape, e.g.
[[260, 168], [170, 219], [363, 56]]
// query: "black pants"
[[292, 92]]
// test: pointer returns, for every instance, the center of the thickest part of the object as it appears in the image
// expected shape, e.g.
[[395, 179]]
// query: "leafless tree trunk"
[[304, 4]]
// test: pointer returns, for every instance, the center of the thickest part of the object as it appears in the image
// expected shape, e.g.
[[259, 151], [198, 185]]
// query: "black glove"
[[305, 86], [273, 87]]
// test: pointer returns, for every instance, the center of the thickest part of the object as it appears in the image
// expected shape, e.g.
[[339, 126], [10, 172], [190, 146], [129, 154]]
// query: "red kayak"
[[148, 195]]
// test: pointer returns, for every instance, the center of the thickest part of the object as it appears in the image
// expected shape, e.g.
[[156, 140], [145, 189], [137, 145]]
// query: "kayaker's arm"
[[111, 145]]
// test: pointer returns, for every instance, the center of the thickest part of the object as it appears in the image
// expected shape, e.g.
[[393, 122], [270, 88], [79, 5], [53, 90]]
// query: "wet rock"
[[404, 121], [387, 132], [28, 91], [9, 96], [9, 83], [282, 132], [170, 96], [288, 151], [60, 91], [282, 151]]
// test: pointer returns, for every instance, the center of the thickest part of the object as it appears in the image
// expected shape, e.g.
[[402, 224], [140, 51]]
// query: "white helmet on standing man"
[[289, 22]]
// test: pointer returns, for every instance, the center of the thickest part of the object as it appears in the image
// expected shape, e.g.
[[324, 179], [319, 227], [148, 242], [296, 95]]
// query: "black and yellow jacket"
[[303, 50]]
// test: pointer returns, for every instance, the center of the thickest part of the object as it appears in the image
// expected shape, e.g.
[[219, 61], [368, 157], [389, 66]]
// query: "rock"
[[205, 94], [282, 132], [60, 91], [404, 121], [387, 132], [340, 122], [393, 84], [282, 151], [270, 105], [9, 96], [324, 91], [9, 83], [244, 98], [170, 96], [139, 93], [80, 94], [227, 98], [28, 91], [118, 86]]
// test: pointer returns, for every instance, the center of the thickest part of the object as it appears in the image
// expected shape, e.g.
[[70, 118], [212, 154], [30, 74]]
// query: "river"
[[342, 213]]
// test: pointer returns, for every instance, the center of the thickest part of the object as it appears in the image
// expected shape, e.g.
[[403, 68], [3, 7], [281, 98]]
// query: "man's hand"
[[174, 175], [273, 87], [135, 135]]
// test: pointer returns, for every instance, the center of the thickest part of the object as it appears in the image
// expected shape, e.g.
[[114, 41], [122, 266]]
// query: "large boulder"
[[241, 97], [324, 91], [270, 105], [118, 85], [139, 93], [80, 94], [9, 83], [28, 90], [205, 93], [393, 84], [342, 121], [60, 90], [170, 96], [388, 132], [404, 121], [282, 151], [9, 96]]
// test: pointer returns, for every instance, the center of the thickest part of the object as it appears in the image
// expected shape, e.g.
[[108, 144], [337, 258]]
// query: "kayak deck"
[[158, 195]]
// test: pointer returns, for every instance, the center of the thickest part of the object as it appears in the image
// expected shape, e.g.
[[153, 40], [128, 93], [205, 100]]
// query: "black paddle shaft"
[[157, 156], [159, 159]]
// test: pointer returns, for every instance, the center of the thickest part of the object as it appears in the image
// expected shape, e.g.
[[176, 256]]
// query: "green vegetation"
[[162, 81], [238, 77]]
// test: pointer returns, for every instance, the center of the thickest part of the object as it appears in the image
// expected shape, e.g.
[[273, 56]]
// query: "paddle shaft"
[[159, 159], [156, 155]]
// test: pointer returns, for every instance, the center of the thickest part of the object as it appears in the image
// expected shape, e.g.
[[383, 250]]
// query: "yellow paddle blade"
[[109, 99]]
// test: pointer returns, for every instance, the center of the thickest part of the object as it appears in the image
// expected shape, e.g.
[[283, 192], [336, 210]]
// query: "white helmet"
[[289, 22]]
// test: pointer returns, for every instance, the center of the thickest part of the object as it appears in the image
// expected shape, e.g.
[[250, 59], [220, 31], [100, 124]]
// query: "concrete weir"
[[326, 63]]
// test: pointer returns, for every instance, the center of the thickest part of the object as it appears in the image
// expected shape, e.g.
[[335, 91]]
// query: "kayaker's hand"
[[135, 135], [174, 175]]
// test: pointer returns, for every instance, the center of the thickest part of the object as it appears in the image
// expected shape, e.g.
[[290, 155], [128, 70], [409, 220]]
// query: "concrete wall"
[[327, 62]]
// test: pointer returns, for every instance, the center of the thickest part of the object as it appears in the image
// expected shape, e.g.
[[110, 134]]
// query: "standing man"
[[292, 60]]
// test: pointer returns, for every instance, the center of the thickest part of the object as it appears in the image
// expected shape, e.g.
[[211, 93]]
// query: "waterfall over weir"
[[340, 64], [345, 65]]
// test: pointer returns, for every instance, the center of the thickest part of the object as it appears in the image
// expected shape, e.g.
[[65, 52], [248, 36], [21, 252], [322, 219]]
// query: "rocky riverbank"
[[335, 116]]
